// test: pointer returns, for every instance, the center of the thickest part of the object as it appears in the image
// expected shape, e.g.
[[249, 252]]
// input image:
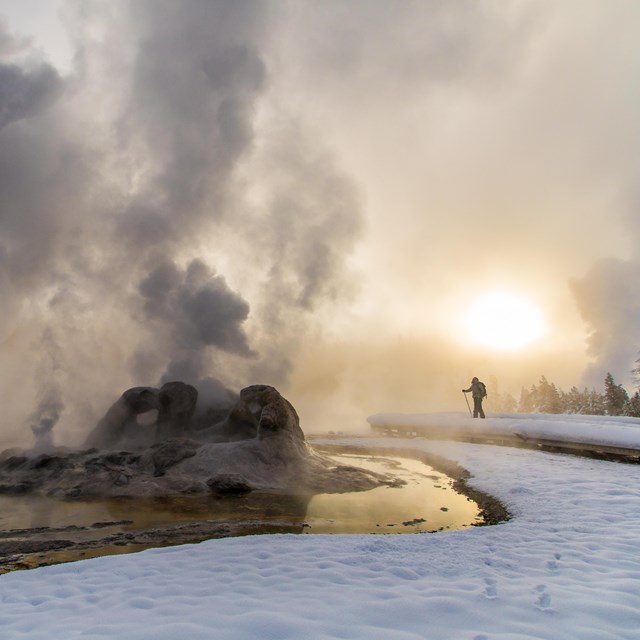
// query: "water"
[[426, 503]]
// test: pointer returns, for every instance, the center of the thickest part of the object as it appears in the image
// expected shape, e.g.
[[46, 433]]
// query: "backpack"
[[483, 388]]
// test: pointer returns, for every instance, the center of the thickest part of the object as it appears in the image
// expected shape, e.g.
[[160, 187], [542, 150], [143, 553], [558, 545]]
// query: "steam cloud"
[[608, 298], [124, 183], [173, 205]]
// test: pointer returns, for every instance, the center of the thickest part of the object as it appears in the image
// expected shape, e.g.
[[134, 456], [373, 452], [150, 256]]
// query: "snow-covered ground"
[[566, 566]]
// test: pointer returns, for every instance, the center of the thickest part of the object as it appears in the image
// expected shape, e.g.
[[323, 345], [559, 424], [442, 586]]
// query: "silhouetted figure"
[[479, 393]]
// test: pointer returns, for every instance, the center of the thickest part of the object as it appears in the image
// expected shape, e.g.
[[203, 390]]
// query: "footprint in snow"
[[521, 491], [491, 589], [544, 599], [553, 564]]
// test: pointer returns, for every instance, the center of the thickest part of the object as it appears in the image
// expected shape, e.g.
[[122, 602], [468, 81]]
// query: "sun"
[[504, 320]]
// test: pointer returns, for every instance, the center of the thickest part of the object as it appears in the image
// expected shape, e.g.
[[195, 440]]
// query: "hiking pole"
[[467, 401]]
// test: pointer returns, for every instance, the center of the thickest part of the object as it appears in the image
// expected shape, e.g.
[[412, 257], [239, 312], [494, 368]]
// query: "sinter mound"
[[155, 442]]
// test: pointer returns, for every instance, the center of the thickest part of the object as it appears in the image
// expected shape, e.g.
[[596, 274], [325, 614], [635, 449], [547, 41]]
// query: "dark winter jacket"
[[477, 388]]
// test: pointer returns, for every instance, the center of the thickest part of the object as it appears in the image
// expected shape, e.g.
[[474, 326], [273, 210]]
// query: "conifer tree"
[[504, 403], [548, 397], [575, 401], [595, 405], [508, 403], [632, 408], [524, 405], [615, 397], [636, 373], [545, 397]]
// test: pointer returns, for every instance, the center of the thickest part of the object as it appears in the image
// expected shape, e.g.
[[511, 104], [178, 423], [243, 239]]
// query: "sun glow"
[[503, 320]]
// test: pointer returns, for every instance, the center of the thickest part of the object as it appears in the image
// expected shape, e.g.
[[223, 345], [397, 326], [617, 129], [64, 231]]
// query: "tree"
[[503, 403], [526, 400], [508, 403], [547, 397], [595, 405], [615, 397], [632, 408], [636, 373], [575, 401]]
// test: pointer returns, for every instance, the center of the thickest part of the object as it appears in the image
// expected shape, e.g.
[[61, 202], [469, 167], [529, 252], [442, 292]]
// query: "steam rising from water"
[[128, 246]]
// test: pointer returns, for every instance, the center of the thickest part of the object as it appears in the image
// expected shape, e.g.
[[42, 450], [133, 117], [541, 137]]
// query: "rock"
[[120, 479], [56, 464], [261, 411], [17, 488], [238, 425], [175, 403], [13, 452], [13, 462], [232, 483], [121, 458], [166, 454], [274, 413], [121, 416], [278, 458]]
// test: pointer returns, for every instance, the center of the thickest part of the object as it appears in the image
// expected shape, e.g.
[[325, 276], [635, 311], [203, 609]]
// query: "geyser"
[[254, 443]]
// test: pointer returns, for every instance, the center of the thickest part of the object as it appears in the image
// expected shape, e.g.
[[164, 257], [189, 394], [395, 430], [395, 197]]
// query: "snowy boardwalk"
[[607, 435]]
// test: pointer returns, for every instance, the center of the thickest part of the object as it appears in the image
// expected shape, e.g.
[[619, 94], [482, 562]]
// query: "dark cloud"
[[159, 284], [36, 167], [199, 308], [215, 313], [28, 85], [24, 93]]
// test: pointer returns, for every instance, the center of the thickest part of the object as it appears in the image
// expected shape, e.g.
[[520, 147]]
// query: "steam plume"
[[122, 187], [607, 297]]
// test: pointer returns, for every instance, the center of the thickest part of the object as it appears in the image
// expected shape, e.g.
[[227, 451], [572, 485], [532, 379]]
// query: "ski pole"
[[467, 401]]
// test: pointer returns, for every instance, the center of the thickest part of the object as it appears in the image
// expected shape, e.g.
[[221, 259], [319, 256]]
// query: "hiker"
[[479, 393]]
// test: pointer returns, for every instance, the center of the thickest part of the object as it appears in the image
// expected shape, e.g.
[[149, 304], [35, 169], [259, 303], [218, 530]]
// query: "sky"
[[565, 566], [317, 196]]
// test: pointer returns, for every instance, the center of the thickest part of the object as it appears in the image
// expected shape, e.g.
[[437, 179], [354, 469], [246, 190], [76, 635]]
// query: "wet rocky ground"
[[31, 547], [41, 546]]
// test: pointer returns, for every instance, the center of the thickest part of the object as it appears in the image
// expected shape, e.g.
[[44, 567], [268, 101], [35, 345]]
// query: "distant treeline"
[[546, 397]]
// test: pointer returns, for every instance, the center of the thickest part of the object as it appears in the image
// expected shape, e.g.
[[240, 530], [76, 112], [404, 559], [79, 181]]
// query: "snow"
[[619, 431], [565, 566]]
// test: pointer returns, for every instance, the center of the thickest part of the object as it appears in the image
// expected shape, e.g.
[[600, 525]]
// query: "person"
[[479, 393]]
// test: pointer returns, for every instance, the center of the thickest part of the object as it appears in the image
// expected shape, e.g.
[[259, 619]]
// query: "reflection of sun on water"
[[426, 503], [503, 320]]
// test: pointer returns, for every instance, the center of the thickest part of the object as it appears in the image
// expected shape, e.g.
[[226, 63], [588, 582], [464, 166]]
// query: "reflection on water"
[[426, 503], [134, 514]]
